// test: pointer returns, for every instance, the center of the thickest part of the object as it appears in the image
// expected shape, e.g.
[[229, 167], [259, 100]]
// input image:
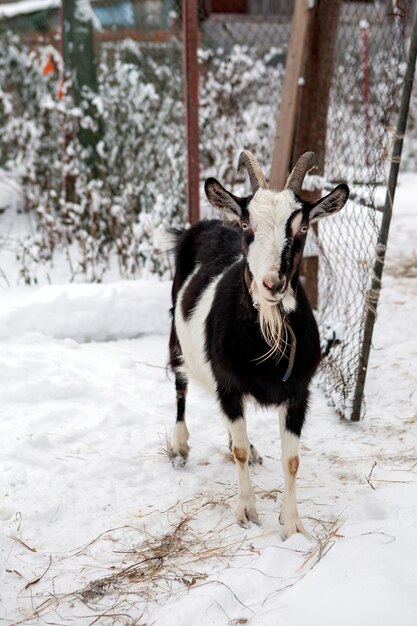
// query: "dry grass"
[[403, 268], [325, 534], [156, 559], [157, 569], [167, 451], [405, 457], [160, 568]]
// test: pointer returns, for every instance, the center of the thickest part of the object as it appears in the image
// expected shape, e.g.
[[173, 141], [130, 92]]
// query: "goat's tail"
[[166, 240]]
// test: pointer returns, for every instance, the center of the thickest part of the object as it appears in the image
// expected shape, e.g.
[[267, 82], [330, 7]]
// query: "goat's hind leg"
[[180, 447], [254, 456]]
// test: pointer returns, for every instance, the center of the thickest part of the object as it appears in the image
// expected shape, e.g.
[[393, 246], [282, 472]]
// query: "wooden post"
[[287, 113], [311, 123], [190, 65], [302, 117], [311, 126]]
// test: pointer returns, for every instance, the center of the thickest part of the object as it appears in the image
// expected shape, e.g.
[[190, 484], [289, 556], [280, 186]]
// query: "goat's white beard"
[[271, 323], [272, 329]]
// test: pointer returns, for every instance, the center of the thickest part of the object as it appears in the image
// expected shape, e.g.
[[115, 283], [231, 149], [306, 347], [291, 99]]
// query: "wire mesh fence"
[[364, 100], [109, 220]]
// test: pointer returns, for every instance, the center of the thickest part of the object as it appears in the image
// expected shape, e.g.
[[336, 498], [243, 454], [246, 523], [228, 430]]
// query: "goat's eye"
[[303, 229], [245, 226]]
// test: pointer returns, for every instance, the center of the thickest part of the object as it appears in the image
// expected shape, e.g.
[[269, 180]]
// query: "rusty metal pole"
[[190, 71]]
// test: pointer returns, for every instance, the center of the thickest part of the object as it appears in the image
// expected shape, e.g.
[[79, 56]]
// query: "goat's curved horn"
[[256, 175], [305, 163]]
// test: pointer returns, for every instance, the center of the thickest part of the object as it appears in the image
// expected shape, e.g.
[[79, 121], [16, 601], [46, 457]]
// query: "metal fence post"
[[372, 296], [190, 65]]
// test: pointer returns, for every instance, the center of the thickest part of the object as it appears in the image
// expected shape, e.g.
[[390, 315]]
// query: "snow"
[[27, 6], [84, 13], [11, 196], [86, 488], [86, 312]]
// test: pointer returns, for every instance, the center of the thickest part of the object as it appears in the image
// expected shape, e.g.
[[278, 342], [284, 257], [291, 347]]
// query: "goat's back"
[[210, 244]]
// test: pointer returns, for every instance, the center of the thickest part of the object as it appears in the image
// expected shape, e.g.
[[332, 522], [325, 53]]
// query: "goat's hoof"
[[255, 458], [246, 513], [292, 525], [179, 459]]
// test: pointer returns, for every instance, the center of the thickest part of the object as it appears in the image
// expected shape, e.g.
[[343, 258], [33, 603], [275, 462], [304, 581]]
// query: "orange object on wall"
[[50, 66], [60, 90]]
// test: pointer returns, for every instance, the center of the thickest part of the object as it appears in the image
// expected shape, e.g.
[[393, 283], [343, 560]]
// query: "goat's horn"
[[305, 163], [256, 175]]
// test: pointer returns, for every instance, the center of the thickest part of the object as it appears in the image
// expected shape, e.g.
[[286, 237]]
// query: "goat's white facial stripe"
[[269, 213]]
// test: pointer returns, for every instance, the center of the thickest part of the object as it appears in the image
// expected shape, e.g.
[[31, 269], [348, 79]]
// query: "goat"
[[242, 325]]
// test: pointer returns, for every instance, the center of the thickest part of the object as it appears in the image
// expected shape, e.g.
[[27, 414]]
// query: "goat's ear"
[[332, 203], [223, 200]]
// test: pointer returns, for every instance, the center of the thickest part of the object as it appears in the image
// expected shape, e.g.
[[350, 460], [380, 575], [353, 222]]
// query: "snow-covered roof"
[[12, 9], [121, 13]]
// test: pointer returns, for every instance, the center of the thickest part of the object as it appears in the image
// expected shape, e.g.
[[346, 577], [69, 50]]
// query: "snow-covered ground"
[[87, 492]]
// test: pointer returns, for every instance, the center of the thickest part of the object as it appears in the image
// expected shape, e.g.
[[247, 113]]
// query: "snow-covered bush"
[[141, 91], [26, 130], [140, 185]]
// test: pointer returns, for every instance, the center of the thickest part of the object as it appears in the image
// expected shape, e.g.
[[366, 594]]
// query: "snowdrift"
[[87, 312]]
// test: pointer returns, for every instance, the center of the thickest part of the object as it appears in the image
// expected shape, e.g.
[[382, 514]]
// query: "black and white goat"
[[242, 325]]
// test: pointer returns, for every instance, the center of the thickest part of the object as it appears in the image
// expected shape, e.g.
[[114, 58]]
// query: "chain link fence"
[[364, 101]]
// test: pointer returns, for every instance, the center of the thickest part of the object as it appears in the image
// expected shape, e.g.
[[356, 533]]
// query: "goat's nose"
[[274, 286]]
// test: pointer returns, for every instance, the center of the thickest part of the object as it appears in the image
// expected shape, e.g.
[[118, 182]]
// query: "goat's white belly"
[[192, 337]]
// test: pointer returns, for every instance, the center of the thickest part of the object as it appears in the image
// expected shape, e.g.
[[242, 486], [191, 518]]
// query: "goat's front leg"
[[233, 409], [291, 419]]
